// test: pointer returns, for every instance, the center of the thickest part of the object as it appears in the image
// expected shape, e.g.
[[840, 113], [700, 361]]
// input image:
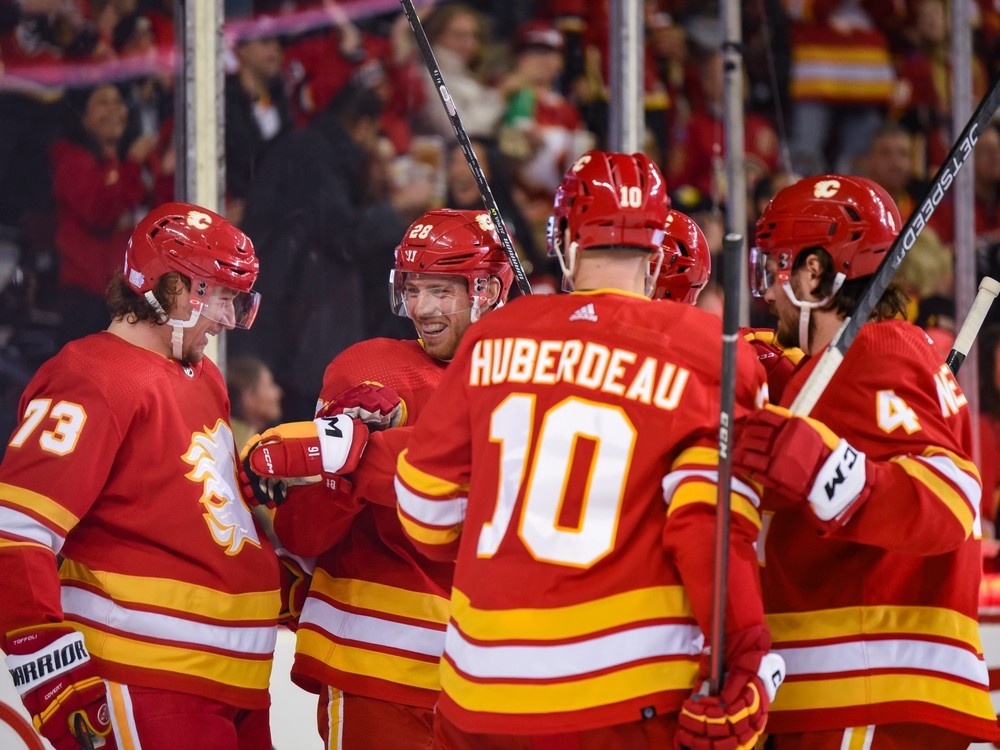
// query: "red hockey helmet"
[[455, 243], [611, 200], [202, 246], [852, 218], [687, 260]]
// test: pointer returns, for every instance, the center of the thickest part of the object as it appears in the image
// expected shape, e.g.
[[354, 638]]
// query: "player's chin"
[[443, 349]]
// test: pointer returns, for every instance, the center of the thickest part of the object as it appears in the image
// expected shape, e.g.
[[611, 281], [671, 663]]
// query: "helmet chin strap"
[[806, 308], [567, 263], [649, 284], [177, 326]]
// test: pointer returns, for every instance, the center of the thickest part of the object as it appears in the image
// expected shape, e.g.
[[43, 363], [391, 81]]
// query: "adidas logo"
[[587, 312]]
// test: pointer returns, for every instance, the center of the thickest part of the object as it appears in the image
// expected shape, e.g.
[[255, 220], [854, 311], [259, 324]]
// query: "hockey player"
[[871, 557], [371, 633], [686, 268], [570, 465], [686, 263], [158, 629]]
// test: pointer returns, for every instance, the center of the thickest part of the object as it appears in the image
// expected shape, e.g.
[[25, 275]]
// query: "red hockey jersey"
[[878, 622], [124, 465], [572, 463], [374, 620]]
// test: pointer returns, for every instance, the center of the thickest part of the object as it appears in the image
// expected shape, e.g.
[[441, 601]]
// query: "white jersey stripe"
[[895, 654], [366, 629], [430, 512], [106, 613], [967, 485], [672, 480], [554, 661], [23, 525]]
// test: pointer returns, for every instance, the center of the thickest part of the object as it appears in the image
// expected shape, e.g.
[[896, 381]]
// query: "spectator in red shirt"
[[696, 159], [98, 191]]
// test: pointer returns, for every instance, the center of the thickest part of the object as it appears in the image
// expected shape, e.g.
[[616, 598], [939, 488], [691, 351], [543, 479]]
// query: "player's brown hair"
[[123, 302], [892, 303]]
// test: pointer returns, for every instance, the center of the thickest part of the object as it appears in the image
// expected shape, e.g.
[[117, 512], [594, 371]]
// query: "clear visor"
[[220, 304], [763, 272], [427, 293], [397, 300]]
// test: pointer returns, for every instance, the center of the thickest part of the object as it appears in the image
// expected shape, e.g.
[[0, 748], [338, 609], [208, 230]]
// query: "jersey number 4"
[[563, 429]]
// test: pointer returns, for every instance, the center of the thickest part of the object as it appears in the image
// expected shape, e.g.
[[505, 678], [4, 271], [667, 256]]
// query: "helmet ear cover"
[[454, 243]]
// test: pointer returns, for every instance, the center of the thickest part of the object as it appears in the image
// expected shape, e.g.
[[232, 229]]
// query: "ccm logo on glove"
[[839, 481], [324, 446]]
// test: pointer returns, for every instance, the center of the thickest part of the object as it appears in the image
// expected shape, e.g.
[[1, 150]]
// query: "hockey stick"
[[83, 736], [824, 371], [988, 290], [463, 139], [732, 251]]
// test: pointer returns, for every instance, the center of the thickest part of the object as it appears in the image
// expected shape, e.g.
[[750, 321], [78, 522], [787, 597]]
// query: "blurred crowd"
[[335, 140]]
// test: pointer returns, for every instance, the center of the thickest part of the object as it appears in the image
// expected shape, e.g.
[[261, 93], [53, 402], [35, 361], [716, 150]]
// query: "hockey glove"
[[779, 363], [309, 450], [802, 459], [57, 681], [258, 490], [378, 406], [734, 719]]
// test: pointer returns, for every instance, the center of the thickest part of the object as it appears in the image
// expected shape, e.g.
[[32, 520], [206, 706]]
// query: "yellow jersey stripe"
[[249, 674], [425, 535], [844, 692], [696, 458], [362, 661], [705, 492], [39, 504], [381, 598], [575, 695], [424, 483], [848, 622], [178, 596], [957, 503], [573, 621]]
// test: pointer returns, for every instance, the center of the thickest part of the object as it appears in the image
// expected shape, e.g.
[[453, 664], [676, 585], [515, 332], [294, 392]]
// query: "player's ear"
[[493, 292]]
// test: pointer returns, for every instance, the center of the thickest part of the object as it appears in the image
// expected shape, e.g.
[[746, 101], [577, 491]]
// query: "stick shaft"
[[463, 139], [732, 249]]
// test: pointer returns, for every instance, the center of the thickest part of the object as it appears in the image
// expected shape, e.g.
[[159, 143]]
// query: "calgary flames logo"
[[199, 220], [826, 188], [211, 457]]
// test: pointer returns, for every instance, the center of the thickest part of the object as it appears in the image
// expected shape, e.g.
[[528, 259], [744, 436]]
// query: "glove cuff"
[[839, 482], [46, 659], [771, 673], [336, 439]]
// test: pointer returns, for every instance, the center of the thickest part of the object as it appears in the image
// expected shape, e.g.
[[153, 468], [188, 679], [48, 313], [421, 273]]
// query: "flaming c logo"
[[199, 220], [826, 188], [211, 458]]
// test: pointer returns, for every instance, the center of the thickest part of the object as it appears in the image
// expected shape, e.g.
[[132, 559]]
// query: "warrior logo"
[[211, 457]]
